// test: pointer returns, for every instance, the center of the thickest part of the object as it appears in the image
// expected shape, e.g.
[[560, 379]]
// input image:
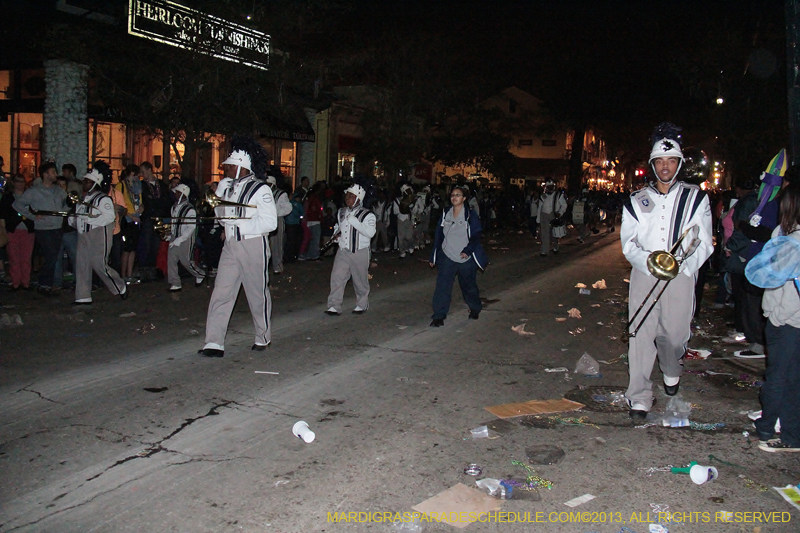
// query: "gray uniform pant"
[[242, 263], [276, 246], [93, 249], [421, 230], [347, 265], [546, 231], [181, 254], [405, 235], [664, 334]]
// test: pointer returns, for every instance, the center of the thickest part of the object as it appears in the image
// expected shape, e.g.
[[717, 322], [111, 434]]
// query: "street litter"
[[574, 502], [266, 372], [561, 319], [706, 426], [577, 331], [677, 413], [750, 484], [585, 292], [300, 430], [534, 407], [790, 494], [696, 354], [580, 286], [573, 421], [557, 369], [495, 488], [595, 305], [657, 528], [533, 480], [520, 330], [480, 432], [473, 469], [544, 454], [712, 373], [281, 482], [612, 361], [402, 327], [599, 284], [13, 320], [127, 315], [459, 502], [701, 474], [587, 365], [600, 324], [144, 329], [194, 332]]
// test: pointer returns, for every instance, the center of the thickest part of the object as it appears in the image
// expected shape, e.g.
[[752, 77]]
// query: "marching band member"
[[355, 227], [94, 219], [283, 207], [245, 255], [654, 219], [181, 240]]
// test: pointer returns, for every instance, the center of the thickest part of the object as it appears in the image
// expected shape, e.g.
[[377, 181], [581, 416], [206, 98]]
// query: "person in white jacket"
[[654, 219], [276, 239], [245, 255], [552, 204], [181, 240], [355, 227], [94, 219]]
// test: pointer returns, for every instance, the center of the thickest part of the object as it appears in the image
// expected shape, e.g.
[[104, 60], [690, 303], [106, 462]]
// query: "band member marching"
[[283, 207], [245, 255], [355, 227], [94, 219], [654, 220], [181, 240]]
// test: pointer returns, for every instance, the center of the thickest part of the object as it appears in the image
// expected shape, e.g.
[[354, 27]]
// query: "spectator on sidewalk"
[[20, 235]]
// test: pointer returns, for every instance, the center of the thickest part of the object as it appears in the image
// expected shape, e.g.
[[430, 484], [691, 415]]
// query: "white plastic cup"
[[480, 432], [700, 474], [300, 429]]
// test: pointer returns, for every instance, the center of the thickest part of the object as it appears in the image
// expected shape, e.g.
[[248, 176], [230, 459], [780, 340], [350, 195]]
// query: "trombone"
[[664, 266], [46, 213], [211, 199]]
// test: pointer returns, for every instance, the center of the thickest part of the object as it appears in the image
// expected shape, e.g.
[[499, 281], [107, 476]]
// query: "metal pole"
[[793, 76]]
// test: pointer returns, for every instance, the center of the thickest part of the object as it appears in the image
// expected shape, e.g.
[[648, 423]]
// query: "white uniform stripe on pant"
[[182, 254], [346, 265]]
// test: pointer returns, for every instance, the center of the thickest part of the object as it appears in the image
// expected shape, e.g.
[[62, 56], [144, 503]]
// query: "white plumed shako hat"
[[357, 190]]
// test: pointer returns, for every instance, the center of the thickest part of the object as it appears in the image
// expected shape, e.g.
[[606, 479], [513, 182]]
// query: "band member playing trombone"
[[181, 240], [94, 219], [245, 255], [355, 227], [654, 219]]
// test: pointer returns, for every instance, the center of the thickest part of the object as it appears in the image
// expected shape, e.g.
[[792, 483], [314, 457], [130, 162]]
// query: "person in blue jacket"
[[457, 251]]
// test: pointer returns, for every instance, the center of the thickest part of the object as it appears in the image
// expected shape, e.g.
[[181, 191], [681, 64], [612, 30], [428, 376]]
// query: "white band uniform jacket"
[[182, 230], [357, 226], [653, 221], [247, 190], [101, 205]]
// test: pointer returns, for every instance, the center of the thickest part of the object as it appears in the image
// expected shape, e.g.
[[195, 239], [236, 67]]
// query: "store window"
[[26, 144], [6, 91], [32, 84], [107, 142], [347, 166], [283, 154]]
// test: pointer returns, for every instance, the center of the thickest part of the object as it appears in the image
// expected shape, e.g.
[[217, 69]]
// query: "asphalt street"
[[112, 423]]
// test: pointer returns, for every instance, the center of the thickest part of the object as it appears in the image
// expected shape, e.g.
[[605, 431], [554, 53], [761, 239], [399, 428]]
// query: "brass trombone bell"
[[663, 265], [214, 201]]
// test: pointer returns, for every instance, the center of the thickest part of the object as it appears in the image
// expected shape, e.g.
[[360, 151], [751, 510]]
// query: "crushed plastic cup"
[[701, 474], [300, 430], [585, 291], [480, 432]]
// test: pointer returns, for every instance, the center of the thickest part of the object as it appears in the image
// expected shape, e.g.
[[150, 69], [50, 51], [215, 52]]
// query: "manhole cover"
[[599, 399]]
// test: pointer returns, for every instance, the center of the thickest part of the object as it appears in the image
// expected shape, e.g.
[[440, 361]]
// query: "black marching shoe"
[[671, 390], [473, 314], [211, 352], [437, 323], [259, 347], [637, 415]]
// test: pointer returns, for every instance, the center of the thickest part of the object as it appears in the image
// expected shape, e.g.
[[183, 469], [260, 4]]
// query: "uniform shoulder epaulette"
[[689, 185]]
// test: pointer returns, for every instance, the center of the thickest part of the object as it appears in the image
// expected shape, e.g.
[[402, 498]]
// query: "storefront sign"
[[170, 23]]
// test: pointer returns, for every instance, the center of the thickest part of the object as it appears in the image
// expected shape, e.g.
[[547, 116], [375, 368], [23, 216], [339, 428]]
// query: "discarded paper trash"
[[561, 319], [533, 407], [580, 286], [599, 284], [459, 502], [520, 330], [574, 502], [574, 313], [790, 494]]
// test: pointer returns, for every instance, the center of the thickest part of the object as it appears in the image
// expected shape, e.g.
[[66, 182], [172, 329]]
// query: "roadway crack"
[[39, 394]]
